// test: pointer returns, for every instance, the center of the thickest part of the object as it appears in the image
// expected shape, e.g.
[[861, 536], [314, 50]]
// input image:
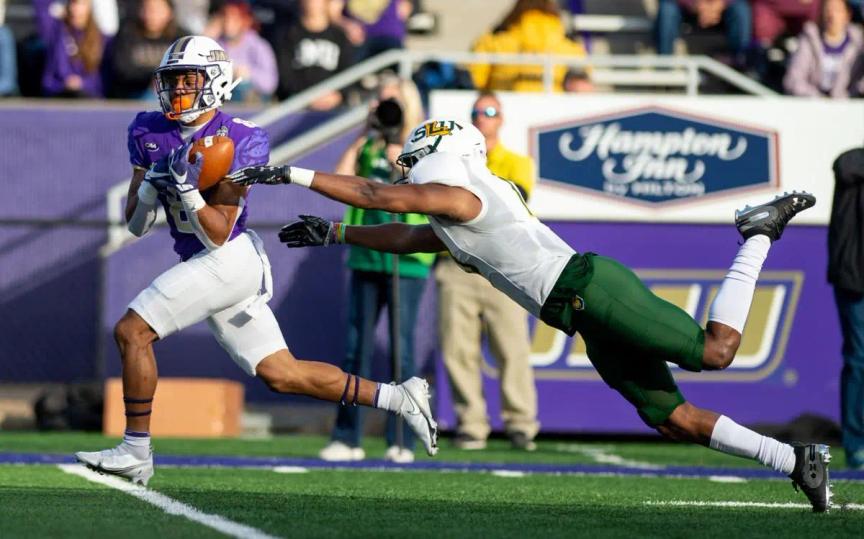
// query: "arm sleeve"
[[142, 218]]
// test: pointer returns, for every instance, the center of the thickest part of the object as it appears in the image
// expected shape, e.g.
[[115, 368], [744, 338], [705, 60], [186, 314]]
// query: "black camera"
[[388, 120]]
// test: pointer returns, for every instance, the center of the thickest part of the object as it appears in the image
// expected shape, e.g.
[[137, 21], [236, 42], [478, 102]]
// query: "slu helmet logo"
[[655, 155]]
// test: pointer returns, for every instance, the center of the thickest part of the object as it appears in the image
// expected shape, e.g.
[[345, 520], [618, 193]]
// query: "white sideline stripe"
[[290, 469], [726, 479], [601, 455], [169, 505], [686, 503], [508, 473]]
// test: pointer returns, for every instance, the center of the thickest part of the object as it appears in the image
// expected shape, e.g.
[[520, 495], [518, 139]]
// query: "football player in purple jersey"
[[223, 275]]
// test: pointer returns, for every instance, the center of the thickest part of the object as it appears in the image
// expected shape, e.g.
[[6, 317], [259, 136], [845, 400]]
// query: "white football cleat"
[[417, 413], [339, 452], [119, 461], [399, 455]]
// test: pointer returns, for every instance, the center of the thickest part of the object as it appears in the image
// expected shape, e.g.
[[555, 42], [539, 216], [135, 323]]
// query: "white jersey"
[[505, 243]]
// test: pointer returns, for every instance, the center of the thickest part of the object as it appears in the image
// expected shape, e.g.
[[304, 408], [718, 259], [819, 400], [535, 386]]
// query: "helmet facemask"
[[409, 159], [186, 92]]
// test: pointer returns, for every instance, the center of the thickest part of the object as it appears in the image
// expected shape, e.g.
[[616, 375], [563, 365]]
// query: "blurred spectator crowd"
[[109, 48], [800, 47]]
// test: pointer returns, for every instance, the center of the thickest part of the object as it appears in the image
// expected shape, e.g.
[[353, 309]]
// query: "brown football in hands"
[[218, 152]]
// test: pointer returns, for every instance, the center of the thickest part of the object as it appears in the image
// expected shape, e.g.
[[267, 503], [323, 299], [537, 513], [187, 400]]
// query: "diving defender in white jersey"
[[630, 333]]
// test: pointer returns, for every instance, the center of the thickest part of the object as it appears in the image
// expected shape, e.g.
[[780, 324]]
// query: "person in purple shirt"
[[74, 50], [829, 61], [234, 26], [223, 275]]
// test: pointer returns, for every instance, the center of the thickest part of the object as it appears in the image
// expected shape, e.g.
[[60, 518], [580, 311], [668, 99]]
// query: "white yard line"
[[686, 503], [290, 469], [726, 479], [508, 473], [602, 455], [169, 505]]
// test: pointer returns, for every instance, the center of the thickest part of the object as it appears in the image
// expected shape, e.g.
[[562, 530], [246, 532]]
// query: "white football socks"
[[388, 397], [138, 443], [732, 304], [731, 438]]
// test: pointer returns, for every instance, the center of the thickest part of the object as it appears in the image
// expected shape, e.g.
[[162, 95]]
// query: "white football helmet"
[[210, 90], [443, 135]]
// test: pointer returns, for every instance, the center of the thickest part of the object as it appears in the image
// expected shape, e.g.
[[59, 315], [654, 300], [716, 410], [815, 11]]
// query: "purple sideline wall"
[[56, 162], [58, 300]]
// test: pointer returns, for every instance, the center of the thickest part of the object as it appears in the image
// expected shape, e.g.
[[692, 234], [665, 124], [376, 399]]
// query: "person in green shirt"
[[372, 156]]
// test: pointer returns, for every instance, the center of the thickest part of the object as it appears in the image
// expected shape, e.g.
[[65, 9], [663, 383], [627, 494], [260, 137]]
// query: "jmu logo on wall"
[[555, 356], [655, 155]]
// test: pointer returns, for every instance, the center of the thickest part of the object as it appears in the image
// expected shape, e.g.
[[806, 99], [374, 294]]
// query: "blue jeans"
[[851, 309], [368, 294], [737, 21]]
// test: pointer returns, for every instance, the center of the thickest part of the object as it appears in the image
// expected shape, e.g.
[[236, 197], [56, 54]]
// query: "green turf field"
[[44, 501]]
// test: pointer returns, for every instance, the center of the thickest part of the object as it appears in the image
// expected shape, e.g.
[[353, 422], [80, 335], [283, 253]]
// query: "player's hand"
[[158, 176], [263, 174], [184, 174], [309, 231]]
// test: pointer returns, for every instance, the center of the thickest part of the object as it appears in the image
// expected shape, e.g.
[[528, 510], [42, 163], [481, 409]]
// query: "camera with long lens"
[[388, 120]]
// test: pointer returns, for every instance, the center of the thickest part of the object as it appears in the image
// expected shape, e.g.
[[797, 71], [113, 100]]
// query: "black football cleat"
[[811, 475], [771, 218]]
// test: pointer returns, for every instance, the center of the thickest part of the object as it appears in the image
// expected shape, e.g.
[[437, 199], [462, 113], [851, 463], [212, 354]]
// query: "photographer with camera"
[[373, 156]]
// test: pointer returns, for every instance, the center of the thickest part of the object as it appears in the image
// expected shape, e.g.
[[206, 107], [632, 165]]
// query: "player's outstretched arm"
[[430, 198], [399, 238]]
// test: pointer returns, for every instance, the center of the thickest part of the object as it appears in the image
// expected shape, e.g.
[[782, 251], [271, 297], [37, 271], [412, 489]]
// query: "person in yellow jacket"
[[531, 27], [469, 306]]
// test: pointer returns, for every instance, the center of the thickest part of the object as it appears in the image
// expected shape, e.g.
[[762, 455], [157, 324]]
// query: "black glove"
[[309, 231], [263, 174]]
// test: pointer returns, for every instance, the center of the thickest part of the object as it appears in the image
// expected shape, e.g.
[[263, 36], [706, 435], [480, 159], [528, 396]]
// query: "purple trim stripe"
[[137, 401], [377, 392], [429, 465], [342, 400], [356, 390], [138, 414], [136, 434]]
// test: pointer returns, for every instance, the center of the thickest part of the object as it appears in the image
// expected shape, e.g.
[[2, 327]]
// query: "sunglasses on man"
[[488, 112]]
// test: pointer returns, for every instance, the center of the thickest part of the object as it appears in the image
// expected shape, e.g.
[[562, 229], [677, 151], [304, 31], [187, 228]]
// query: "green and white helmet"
[[445, 136]]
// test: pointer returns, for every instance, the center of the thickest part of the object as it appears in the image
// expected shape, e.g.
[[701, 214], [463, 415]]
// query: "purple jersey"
[[152, 137]]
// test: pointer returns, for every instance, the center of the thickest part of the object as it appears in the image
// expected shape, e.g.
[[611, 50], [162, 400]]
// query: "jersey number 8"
[[178, 214]]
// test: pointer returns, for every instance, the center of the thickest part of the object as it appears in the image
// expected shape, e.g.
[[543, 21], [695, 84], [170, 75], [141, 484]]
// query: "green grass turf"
[[41, 501], [549, 452]]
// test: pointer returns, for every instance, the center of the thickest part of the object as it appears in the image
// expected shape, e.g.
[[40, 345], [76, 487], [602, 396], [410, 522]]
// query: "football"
[[218, 152]]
